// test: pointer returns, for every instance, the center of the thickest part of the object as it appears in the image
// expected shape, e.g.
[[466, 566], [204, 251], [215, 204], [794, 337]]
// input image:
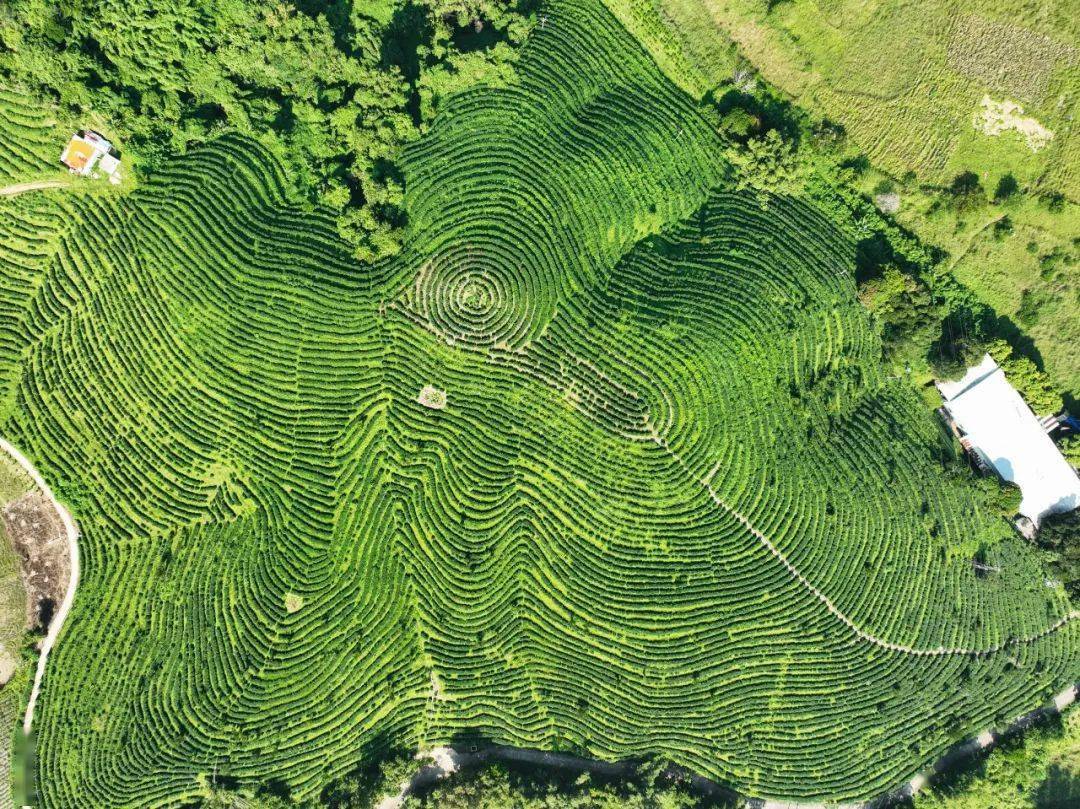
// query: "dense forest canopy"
[[335, 89]]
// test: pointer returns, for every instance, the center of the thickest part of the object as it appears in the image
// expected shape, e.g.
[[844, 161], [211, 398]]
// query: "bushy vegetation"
[[1039, 769], [905, 310], [674, 505], [502, 785], [500, 788], [899, 90], [906, 82], [1059, 534]]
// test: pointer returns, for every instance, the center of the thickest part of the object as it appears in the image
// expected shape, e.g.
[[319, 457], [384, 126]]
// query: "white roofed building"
[[998, 426]]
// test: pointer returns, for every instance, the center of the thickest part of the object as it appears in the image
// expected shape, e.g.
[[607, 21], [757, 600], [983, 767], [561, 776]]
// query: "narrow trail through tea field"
[[72, 532], [861, 633], [648, 432]]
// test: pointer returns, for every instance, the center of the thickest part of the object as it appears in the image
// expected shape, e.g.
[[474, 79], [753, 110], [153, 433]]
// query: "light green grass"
[[1002, 270], [905, 79], [14, 482]]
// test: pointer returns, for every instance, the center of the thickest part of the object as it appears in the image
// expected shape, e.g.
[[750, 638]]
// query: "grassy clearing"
[[14, 670], [12, 610], [1015, 254], [14, 482]]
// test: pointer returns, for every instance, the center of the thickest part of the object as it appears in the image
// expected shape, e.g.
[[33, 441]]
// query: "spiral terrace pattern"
[[667, 466]]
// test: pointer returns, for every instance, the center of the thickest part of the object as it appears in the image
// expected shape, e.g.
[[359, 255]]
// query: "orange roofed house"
[[87, 151]]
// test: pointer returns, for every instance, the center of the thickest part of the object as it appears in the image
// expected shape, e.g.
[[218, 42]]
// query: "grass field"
[[907, 82], [672, 505]]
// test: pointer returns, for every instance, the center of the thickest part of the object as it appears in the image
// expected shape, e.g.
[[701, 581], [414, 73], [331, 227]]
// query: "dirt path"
[[445, 761], [57, 622], [36, 185], [650, 433]]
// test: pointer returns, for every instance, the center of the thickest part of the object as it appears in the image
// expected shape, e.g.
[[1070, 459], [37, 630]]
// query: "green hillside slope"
[[671, 506]]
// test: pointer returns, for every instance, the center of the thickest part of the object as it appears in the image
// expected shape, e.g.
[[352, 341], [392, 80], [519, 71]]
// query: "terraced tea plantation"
[[668, 503]]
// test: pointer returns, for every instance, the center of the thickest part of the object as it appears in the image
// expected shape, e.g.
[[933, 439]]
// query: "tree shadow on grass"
[[1060, 789]]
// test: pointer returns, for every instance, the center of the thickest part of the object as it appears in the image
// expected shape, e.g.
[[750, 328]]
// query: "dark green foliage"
[[1026, 377], [501, 788], [1002, 497], [769, 165], [1054, 201], [1070, 448], [739, 123], [966, 192], [368, 784], [1006, 188], [905, 310], [1060, 535], [969, 332], [828, 136], [1028, 311], [335, 91], [1059, 790]]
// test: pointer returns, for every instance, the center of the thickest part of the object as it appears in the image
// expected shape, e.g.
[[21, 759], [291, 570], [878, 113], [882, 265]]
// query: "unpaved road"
[[445, 761], [57, 623], [36, 185]]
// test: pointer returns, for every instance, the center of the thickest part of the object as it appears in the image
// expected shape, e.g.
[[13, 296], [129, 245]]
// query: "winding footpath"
[[70, 528], [862, 634], [57, 623], [648, 432]]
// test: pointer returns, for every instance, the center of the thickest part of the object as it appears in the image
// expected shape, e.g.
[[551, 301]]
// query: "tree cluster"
[[767, 165], [491, 787], [1059, 535], [335, 89], [903, 309]]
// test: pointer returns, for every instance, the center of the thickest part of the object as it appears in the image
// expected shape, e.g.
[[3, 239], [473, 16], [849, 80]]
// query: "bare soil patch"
[[996, 117], [38, 536], [433, 398]]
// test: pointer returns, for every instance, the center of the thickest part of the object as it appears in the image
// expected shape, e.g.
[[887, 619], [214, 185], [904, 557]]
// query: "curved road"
[[72, 532]]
